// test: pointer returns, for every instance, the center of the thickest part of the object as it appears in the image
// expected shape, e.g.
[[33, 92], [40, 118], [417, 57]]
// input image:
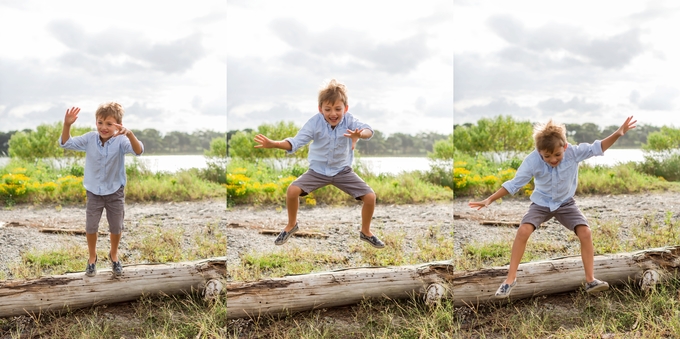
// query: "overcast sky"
[[575, 61], [165, 62], [396, 59]]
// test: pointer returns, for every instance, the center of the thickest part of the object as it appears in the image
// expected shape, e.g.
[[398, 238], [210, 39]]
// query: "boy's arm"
[[265, 142], [610, 140], [70, 117], [486, 202]]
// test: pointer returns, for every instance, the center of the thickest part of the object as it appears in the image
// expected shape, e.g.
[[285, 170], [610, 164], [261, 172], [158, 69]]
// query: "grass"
[[433, 246], [180, 316], [154, 244], [623, 312], [408, 318], [385, 318]]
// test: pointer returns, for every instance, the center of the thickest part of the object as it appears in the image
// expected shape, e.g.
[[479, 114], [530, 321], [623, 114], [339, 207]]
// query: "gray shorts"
[[115, 211], [347, 181], [568, 214]]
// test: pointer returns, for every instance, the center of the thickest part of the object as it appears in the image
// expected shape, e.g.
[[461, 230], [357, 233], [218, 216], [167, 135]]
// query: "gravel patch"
[[20, 225], [341, 224], [629, 209]]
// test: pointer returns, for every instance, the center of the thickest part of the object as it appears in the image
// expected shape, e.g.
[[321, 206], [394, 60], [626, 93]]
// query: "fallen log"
[[566, 274], [75, 290], [499, 223], [67, 231], [298, 233], [336, 288]]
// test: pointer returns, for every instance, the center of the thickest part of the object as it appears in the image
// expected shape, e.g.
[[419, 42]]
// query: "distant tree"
[[242, 144], [502, 135], [4, 142], [42, 143]]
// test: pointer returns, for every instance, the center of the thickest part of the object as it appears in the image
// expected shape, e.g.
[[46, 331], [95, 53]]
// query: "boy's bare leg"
[[587, 250], [91, 246], [115, 240], [523, 233], [367, 213], [292, 204]]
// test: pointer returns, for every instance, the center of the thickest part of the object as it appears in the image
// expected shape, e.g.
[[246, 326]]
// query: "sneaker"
[[91, 269], [596, 286], [116, 267], [373, 240], [504, 290], [283, 236]]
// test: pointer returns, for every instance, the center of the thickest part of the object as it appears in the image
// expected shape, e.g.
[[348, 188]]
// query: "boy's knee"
[[294, 191], [525, 230], [583, 232], [370, 198]]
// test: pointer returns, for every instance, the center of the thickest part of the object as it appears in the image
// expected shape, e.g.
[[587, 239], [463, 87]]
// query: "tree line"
[[396, 144], [505, 134], [154, 141]]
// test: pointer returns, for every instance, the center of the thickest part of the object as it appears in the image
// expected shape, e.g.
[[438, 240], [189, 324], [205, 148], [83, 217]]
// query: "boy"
[[104, 178], [330, 159], [554, 167]]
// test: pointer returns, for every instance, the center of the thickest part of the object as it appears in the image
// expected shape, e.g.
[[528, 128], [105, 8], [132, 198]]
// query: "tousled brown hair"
[[333, 92], [110, 109], [549, 136]]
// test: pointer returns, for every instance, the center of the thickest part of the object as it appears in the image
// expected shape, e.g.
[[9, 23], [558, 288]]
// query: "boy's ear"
[[565, 146], [320, 109], [346, 108]]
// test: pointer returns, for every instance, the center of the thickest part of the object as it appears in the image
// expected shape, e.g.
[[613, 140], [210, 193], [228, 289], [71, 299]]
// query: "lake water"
[[615, 156]]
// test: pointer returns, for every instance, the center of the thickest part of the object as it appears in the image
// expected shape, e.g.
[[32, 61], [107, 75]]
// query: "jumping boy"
[[554, 167], [334, 133], [104, 178]]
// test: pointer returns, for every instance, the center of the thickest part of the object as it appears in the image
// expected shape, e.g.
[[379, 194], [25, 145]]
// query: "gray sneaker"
[[504, 290], [596, 286], [91, 269], [373, 240], [116, 267], [283, 236]]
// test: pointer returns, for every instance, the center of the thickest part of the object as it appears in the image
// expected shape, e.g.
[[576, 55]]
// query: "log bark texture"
[[75, 290], [562, 275], [331, 289]]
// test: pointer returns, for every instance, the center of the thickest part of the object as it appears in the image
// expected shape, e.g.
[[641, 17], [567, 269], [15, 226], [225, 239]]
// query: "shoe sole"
[[286, 239], [368, 241], [598, 289], [91, 275], [112, 271]]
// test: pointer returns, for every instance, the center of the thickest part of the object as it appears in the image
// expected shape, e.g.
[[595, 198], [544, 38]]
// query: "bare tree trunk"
[[566, 274], [335, 288], [75, 290]]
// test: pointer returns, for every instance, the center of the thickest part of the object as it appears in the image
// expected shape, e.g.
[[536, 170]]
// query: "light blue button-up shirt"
[[553, 186], [104, 165], [330, 151]]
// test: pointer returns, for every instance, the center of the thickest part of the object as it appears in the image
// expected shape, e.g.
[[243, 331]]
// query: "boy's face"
[[333, 112], [106, 127], [555, 157]]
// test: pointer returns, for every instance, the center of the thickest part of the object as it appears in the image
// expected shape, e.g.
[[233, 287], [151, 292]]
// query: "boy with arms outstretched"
[[334, 133], [104, 178], [554, 167]]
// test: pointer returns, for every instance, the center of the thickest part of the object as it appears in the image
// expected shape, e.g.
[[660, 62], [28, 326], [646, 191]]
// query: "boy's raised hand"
[[71, 115], [479, 204], [627, 125], [263, 142], [121, 130], [354, 135]]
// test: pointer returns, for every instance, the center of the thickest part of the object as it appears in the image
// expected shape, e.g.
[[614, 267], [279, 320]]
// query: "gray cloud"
[[396, 57], [634, 97], [496, 107], [553, 105], [98, 50], [653, 10], [142, 112], [611, 52], [660, 100]]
